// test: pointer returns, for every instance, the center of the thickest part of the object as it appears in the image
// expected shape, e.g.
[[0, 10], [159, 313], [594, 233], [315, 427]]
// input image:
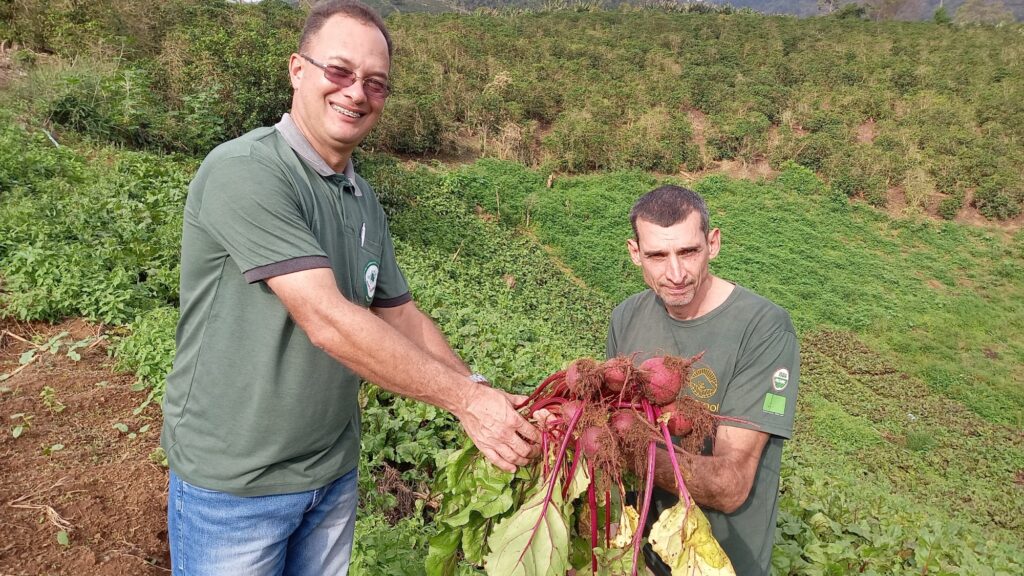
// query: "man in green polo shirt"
[[748, 372], [290, 293]]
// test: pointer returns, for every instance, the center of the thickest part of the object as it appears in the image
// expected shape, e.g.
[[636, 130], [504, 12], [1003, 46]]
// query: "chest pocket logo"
[[703, 382], [370, 278]]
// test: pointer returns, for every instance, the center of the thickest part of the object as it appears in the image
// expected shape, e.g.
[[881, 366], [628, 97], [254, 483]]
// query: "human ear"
[[634, 251], [714, 242]]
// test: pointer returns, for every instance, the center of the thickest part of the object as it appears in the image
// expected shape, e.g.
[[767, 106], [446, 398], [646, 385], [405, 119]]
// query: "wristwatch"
[[479, 378]]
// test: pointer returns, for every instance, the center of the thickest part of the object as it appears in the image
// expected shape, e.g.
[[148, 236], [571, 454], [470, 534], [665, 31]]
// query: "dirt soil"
[[70, 469]]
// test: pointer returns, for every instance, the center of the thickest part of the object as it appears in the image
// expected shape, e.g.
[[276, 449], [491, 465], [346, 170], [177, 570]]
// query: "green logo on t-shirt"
[[370, 276], [774, 404], [780, 379]]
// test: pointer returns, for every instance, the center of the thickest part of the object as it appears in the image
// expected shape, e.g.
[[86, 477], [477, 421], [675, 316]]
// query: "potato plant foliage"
[[908, 453]]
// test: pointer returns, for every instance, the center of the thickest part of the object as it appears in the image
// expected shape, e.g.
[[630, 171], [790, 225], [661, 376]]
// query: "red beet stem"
[[540, 389], [552, 481], [592, 500]]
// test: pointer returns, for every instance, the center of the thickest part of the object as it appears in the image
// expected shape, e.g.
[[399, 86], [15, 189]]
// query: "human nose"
[[674, 272], [355, 91]]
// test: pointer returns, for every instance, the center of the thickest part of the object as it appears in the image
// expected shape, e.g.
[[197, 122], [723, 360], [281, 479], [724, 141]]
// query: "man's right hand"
[[501, 434]]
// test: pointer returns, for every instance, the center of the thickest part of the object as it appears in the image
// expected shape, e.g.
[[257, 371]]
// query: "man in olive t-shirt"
[[290, 292], [749, 372]]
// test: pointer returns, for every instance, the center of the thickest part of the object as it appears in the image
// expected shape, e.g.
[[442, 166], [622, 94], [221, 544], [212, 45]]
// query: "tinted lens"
[[376, 88], [341, 76], [344, 77]]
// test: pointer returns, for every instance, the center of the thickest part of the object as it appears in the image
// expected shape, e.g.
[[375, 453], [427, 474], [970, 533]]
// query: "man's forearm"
[[712, 482], [394, 360], [428, 336]]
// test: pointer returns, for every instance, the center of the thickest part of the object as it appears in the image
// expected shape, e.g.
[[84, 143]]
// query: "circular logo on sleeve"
[[780, 379], [370, 277]]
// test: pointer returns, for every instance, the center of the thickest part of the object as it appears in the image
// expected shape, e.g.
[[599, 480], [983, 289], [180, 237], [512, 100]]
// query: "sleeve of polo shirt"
[[252, 210], [763, 390], [392, 288]]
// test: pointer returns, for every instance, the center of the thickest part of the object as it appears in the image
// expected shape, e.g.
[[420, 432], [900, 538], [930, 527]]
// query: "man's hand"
[[503, 436]]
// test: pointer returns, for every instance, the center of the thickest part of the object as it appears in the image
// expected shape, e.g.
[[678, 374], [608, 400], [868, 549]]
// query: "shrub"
[[851, 181], [999, 197], [799, 179], [578, 142], [737, 136], [655, 140], [817, 150], [411, 125], [115, 105], [238, 54], [918, 188], [950, 206]]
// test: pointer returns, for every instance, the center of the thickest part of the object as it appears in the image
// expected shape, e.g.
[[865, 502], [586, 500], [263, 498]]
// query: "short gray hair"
[[668, 205]]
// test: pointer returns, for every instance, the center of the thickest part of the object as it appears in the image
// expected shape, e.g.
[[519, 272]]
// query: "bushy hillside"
[[922, 112], [909, 453], [904, 456]]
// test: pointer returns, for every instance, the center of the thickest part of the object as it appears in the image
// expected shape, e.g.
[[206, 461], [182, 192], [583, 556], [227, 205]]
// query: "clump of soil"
[[71, 470]]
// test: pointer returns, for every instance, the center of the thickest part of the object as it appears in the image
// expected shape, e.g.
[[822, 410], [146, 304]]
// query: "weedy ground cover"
[[908, 455], [946, 300], [523, 277]]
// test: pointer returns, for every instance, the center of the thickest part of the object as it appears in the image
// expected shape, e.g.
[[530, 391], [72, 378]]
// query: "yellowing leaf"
[[580, 481], [534, 541], [684, 541], [627, 528]]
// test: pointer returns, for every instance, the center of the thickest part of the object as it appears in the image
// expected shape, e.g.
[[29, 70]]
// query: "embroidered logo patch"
[[774, 404], [780, 379], [703, 382], [370, 277]]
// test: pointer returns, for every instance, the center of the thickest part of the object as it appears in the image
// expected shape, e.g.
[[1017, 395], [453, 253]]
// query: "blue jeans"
[[300, 534]]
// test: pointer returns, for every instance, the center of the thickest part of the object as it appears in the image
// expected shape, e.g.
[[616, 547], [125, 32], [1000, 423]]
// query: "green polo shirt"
[[749, 371], [251, 406]]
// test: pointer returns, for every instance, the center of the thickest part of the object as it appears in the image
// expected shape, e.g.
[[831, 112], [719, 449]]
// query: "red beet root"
[[590, 441], [616, 371], [570, 408], [678, 423], [583, 377], [663, 380], [621, 421]]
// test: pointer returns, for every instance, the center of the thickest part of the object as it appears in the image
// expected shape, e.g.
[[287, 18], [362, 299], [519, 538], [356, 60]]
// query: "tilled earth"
[[81, 464]]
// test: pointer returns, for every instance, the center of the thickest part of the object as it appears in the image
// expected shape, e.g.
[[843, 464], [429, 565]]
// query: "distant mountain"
[[897, 9], [900, 9], [386, 7], [894, 9]]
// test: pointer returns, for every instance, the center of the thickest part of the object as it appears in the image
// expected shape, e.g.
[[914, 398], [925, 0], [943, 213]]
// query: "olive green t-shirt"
[[750, 371], [252, 407]]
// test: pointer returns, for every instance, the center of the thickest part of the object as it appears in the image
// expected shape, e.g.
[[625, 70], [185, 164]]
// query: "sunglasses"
[[344, 77]]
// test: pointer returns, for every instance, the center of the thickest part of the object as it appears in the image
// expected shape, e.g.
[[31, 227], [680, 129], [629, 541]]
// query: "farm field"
[[909, 451]]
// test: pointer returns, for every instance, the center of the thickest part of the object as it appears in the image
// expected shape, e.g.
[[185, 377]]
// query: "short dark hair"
[[668, 205], [354, 9]]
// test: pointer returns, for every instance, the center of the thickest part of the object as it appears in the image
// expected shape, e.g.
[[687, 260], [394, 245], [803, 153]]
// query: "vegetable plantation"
[[908, 456]]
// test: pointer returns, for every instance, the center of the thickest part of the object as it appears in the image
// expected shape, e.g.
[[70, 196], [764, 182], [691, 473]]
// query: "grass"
[[945, 300], [908, 442], [911, 331]]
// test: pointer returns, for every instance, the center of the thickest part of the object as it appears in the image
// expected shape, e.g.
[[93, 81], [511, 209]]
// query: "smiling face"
[[674, 261], [335, 119]]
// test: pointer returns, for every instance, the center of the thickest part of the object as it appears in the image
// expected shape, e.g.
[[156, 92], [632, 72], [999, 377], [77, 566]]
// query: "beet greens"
[[601, 425]]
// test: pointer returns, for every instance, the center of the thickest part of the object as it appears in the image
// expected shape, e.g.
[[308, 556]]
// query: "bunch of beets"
[[611, 417]]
